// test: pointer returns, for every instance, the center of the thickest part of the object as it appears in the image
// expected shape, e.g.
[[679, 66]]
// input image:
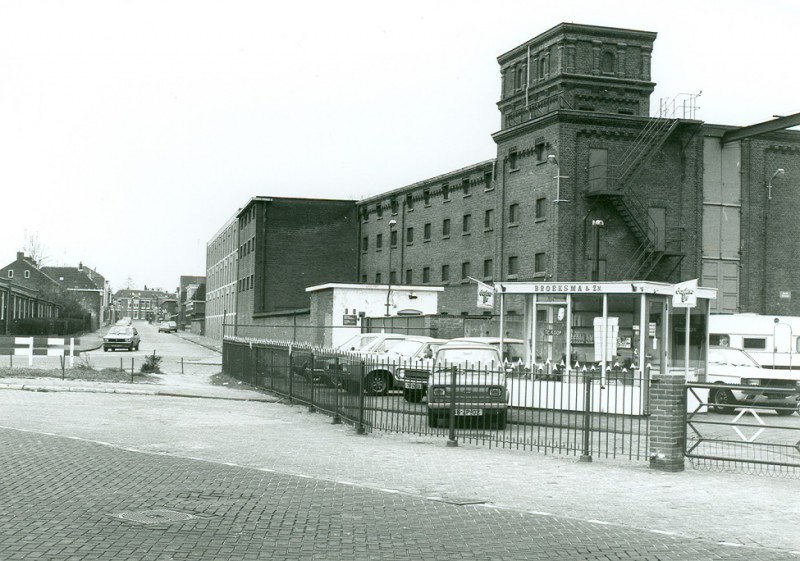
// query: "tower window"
[[607, 62]]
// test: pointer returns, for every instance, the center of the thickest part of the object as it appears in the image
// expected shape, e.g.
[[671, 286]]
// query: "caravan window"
[[719, 340], [757, 343]]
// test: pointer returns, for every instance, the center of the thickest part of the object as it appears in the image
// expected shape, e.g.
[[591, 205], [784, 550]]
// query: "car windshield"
[[358, 342], [120, 330], [407, 347], [466, 356], [732, 357]]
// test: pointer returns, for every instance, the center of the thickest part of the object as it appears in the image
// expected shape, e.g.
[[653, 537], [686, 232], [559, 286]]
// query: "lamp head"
[[552, 159], [392, 223]]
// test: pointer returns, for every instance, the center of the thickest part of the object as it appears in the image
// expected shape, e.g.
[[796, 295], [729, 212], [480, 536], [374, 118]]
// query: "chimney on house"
[[80, 266], [20, 255]]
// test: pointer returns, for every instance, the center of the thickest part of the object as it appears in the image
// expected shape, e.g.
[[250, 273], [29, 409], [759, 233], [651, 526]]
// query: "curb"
[[29, 388]]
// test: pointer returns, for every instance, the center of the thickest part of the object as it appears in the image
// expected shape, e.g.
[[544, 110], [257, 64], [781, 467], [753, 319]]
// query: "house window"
[[446, 192], [541, 208], [539, 264], [410, 201], [364, 243], [409, 235], [394, 206], [365, 214], [377, 278], [487, 180], [487, 268], [393, 238], [540, 150], [409, 276], [379, 241], [465, 271], [426, 232], [466, 224], [379, 210], [513, 214], [26, 274], [465, 187], [426, 196], [446, 228], [11, 273], [512, 161], [445, 273], [426, 275], [488, 219], [513, 265]]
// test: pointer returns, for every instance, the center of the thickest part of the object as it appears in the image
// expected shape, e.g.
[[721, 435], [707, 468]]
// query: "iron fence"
[[586, 411], [743, 436]]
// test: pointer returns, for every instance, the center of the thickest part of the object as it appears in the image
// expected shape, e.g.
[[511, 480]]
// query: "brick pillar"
[[667, 421]]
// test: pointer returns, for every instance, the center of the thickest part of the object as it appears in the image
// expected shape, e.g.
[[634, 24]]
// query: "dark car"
[[121, 337]]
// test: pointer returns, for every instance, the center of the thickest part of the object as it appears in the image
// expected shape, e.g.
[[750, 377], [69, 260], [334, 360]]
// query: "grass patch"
[[76, 373]]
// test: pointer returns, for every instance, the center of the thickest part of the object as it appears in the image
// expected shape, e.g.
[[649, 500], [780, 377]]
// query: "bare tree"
[[35, 250]]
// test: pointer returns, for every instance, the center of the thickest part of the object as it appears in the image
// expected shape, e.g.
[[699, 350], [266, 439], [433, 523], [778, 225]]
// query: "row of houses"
[[590, 181]]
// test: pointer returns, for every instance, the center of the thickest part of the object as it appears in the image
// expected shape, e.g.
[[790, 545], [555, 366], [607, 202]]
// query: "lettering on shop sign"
[[565, 288]]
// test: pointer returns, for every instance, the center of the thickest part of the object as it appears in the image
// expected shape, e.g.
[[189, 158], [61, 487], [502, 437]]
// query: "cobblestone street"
[[65, 499]]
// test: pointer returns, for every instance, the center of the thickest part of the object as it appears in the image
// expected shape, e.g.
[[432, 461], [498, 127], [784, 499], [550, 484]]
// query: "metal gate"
[[741, 436]]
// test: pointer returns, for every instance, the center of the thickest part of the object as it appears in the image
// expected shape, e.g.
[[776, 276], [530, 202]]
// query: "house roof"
[[70, 277]]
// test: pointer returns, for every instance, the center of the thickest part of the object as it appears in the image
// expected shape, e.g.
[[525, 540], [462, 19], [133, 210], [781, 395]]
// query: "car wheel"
[[137, 346], [378, 384], [721, 401], [412, 396], [787, 412], [433, 419], [105, 349]]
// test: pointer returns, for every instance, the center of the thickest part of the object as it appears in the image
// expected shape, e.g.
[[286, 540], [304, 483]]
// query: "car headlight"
[[751, 382], [495, 392], [400, 373], [438, 391]]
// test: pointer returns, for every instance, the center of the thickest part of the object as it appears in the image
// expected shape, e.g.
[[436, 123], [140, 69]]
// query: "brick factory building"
[[585, 185]]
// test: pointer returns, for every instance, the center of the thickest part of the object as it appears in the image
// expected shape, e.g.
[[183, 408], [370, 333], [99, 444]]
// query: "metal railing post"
[[311, 407], [337, 420], [451, 439], [360, 428], [587, 417], [291, 373]]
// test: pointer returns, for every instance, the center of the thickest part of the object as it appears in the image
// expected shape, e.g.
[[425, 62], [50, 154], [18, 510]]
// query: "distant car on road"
[[168, 327], [125, 321], [121, 337]]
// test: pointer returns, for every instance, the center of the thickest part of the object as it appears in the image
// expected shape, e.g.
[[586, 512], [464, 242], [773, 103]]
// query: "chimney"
[[20, 255], [80, 266]]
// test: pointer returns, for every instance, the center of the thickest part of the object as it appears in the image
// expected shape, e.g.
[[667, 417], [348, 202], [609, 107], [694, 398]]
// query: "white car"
[[469, 380], [730, 366]]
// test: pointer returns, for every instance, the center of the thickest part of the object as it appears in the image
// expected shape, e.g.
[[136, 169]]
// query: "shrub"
[[151, 363]]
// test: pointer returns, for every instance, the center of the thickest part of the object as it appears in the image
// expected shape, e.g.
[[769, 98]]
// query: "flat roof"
[[381, 287]]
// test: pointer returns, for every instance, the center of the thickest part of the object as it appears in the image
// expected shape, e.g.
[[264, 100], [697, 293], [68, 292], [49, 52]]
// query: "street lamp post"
[[778, 172], [553, 160], [596, 225], [392, 224]]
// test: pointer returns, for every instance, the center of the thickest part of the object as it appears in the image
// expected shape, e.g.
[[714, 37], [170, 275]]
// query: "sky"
[[130, 132]]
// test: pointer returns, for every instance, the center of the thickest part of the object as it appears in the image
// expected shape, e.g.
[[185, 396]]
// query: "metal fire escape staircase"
[[618, 185]]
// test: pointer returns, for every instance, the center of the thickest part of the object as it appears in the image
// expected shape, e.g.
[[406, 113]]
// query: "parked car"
[[385, 372], [412, 375], [513, 350], [469, 378], [168, 327], [735, 367], [377, 376], [121, 337], [125, 321]]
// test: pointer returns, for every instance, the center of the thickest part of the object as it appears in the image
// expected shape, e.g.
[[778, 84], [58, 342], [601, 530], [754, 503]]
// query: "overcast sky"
[[131, 131]]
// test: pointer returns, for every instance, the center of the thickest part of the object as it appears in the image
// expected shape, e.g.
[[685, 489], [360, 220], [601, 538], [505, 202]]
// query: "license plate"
[[413, 386], [469, 412]]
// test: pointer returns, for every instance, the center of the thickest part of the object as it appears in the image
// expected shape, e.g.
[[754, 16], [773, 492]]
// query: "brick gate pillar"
[[667, 421]]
